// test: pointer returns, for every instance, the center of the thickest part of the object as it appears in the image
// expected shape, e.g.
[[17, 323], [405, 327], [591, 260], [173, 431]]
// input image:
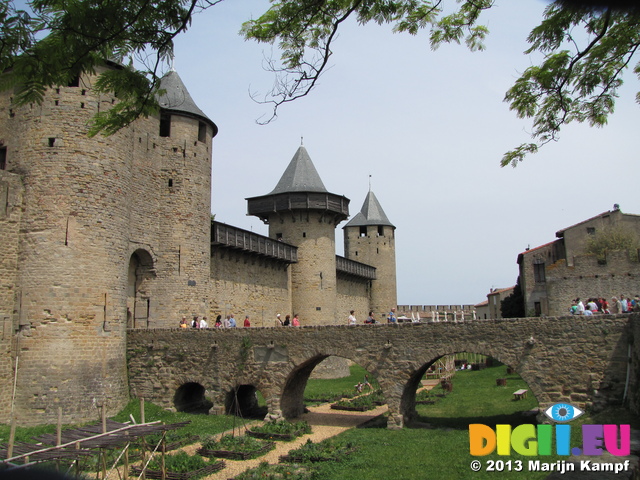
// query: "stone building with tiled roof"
[[554, 274]]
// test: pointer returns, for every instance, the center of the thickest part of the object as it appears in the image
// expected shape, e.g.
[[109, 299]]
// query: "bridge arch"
[[190, 398], [292, 397], [407, 405]]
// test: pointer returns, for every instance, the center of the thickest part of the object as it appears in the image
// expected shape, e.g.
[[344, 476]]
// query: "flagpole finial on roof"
[[301, 141]]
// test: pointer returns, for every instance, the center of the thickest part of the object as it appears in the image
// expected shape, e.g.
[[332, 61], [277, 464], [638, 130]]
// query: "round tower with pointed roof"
[[302, 212], [114, 233], [369, 237]]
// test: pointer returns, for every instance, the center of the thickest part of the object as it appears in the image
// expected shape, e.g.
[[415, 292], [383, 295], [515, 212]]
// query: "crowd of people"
[[229, 321], [600, 305], [201, 322]]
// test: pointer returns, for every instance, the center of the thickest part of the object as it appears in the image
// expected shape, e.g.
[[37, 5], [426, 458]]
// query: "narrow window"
[[591, 230], [363, 231], [380, 231], [3, 158], [202, 131], [538, 273], [75, 82], [171, 182], [52, 142], [304, 234], [165, 125], [537, 307]]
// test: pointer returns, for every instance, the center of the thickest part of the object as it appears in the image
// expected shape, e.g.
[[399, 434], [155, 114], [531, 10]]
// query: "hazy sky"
[[430, 127]]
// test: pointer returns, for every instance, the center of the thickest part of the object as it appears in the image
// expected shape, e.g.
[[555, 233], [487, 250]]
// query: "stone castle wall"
[[245, 284], [353, 294], [113, 231], [633, 375], [11, 191], [589, 278]]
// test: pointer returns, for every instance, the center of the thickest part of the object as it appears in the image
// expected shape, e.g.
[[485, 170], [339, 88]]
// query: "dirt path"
[[324, 422]]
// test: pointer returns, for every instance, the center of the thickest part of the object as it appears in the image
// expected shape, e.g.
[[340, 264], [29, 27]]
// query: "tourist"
[[247, 323], [204, 323], [195, 323], [287, 321], [183, 323], [232, 321], [625, 305], [580, 306], [574, 308], [352, 318], [218, 323], [592, 306], [391, 318], [278, 321], [604, 306], [616, 306], [370, 318], [226, 323], [295, 322]]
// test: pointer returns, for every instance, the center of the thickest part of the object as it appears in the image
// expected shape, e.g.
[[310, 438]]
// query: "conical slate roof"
[[300, 176], [177, 99], [370, 214]]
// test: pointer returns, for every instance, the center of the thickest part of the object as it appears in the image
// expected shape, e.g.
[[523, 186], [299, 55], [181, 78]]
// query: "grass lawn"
[[439, 452], [319, 388], [443, 452]]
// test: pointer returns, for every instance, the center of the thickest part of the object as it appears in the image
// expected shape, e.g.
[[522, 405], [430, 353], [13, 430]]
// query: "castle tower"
[[114, 232], [301, 211], [369, 237]]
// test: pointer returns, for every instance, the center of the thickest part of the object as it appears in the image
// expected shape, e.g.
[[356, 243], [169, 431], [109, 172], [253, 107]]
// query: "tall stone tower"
[[113, 232], [300, 211], [369, 237]]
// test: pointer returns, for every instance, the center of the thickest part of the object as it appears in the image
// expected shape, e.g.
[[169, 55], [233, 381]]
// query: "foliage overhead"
[[586, 46], [52, 42]]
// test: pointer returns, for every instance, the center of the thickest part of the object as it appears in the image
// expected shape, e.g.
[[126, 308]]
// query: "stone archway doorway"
[[140, 274]]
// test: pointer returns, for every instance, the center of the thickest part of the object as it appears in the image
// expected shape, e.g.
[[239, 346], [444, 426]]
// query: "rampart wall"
[[245, 284]]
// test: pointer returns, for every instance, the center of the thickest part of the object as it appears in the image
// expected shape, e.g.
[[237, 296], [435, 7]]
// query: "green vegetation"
[[330, 390], [265, 471], [327, 450], [440, 451], [611, 239], [237, 444], [365, 401], [179, 463], [293, 429]]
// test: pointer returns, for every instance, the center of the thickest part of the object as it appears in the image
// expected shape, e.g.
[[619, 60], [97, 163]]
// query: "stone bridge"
[[582, 360]]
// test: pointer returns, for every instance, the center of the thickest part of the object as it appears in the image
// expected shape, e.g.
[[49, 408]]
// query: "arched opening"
[[458, 389], [303, 390], [190, 398], [245, 401], [139, 276]]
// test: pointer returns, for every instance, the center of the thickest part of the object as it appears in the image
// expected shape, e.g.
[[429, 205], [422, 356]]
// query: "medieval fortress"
[[107, 235], [104, 234]]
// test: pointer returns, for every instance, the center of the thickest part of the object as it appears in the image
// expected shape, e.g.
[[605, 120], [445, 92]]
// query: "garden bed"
[[284, 431], [234, 455], [348, 408], [327, 451], [193, 474]]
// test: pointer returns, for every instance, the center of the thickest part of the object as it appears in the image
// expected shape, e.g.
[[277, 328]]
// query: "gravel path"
[[325, 423]]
